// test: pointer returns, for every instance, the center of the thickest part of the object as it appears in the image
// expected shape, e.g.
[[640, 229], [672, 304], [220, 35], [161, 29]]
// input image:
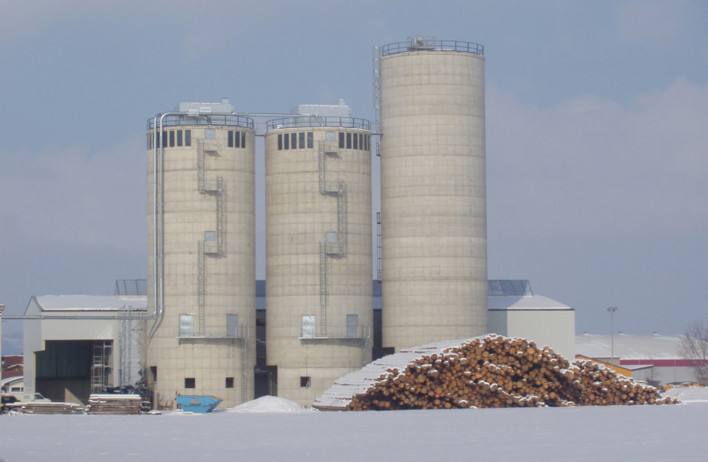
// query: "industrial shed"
[[655, 358], [515, 311], [75, 345]]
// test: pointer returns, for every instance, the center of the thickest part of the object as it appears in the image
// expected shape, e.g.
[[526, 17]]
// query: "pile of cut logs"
[[501, 372]]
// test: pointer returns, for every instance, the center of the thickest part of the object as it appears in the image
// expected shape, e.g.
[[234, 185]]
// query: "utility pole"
[[612, 310]]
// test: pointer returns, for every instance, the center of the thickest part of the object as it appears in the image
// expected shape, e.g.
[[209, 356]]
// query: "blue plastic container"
[[197, 403]]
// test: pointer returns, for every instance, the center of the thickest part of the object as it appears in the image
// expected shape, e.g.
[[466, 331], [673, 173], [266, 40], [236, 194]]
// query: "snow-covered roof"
[[629, 346], [525, 302], [14, 379], [90, 302]]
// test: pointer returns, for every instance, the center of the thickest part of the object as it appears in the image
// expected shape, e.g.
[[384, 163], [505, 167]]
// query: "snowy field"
[[275, 430]]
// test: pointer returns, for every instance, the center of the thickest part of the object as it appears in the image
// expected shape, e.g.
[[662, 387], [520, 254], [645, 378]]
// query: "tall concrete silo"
[[318, 249], [433, 195], [201, 253]]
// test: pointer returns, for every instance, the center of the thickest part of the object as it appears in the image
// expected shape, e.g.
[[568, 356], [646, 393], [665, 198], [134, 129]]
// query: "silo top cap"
[[419, 43]]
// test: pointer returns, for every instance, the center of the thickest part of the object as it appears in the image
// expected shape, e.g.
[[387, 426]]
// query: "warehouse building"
[[654, 358], [515, 311], [75, 345]]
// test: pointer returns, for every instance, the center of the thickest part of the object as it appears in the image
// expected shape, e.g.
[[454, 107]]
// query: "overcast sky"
[[597, 132]]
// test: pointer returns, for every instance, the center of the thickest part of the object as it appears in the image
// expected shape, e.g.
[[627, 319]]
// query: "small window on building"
[[230, 139], [301, 140], [190, 382], [361, 141], [186, 325], [305, 382], [280, 141], [308, 326], [179, 137], [153, 373], [332, 236], [310, 140], [352, 325], [237, 139], [188, 137], [164, 139], [243, 139], [286, 141], [209, 236], [149, 140], [172, 138], [341, 140], [232, 325], [229, 382], [367, 142], [356, 141], [293, 140], [349, 140], [209, 134]]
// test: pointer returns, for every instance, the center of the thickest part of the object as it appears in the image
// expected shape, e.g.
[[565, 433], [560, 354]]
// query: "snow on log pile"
[[482, 372]]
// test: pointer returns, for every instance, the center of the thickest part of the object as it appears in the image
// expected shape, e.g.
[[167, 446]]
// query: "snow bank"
[[608, 433], [692, 394], [270, 405]]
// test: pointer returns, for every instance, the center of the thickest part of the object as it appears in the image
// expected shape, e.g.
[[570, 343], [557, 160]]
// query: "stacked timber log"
[[496, 371], [114, 404]]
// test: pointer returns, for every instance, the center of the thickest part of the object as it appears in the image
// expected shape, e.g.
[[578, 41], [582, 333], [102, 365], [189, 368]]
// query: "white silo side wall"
[[433, 197], [313, 200], [209, 266]]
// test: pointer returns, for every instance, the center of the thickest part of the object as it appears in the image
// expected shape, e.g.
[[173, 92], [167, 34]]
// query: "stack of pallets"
[[114, 404], [43, 407]]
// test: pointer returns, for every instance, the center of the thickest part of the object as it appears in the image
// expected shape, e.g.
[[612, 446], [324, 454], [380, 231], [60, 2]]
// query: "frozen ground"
[[275, 431]]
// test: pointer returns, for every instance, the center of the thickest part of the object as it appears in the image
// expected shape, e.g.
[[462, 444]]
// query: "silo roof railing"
[[180, 119], [309, 121], [432, 45]]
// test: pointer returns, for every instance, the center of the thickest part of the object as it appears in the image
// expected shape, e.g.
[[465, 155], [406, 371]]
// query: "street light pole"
[[612, 310]]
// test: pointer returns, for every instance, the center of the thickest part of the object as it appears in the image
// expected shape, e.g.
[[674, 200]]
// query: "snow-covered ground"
[[691, 394], [274, 430]]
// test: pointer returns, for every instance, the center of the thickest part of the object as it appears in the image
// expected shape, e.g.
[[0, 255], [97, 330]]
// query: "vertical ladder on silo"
[[323, 290], [338, 189], [379, 272], [201, 284], [377, 89], [329, 148], [244, 361], [341, 219], [220, 235], [205, 149]]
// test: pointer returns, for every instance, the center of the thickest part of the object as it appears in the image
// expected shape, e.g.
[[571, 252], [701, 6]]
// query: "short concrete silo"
[[201, 253], [433, 198], [318, 249]]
